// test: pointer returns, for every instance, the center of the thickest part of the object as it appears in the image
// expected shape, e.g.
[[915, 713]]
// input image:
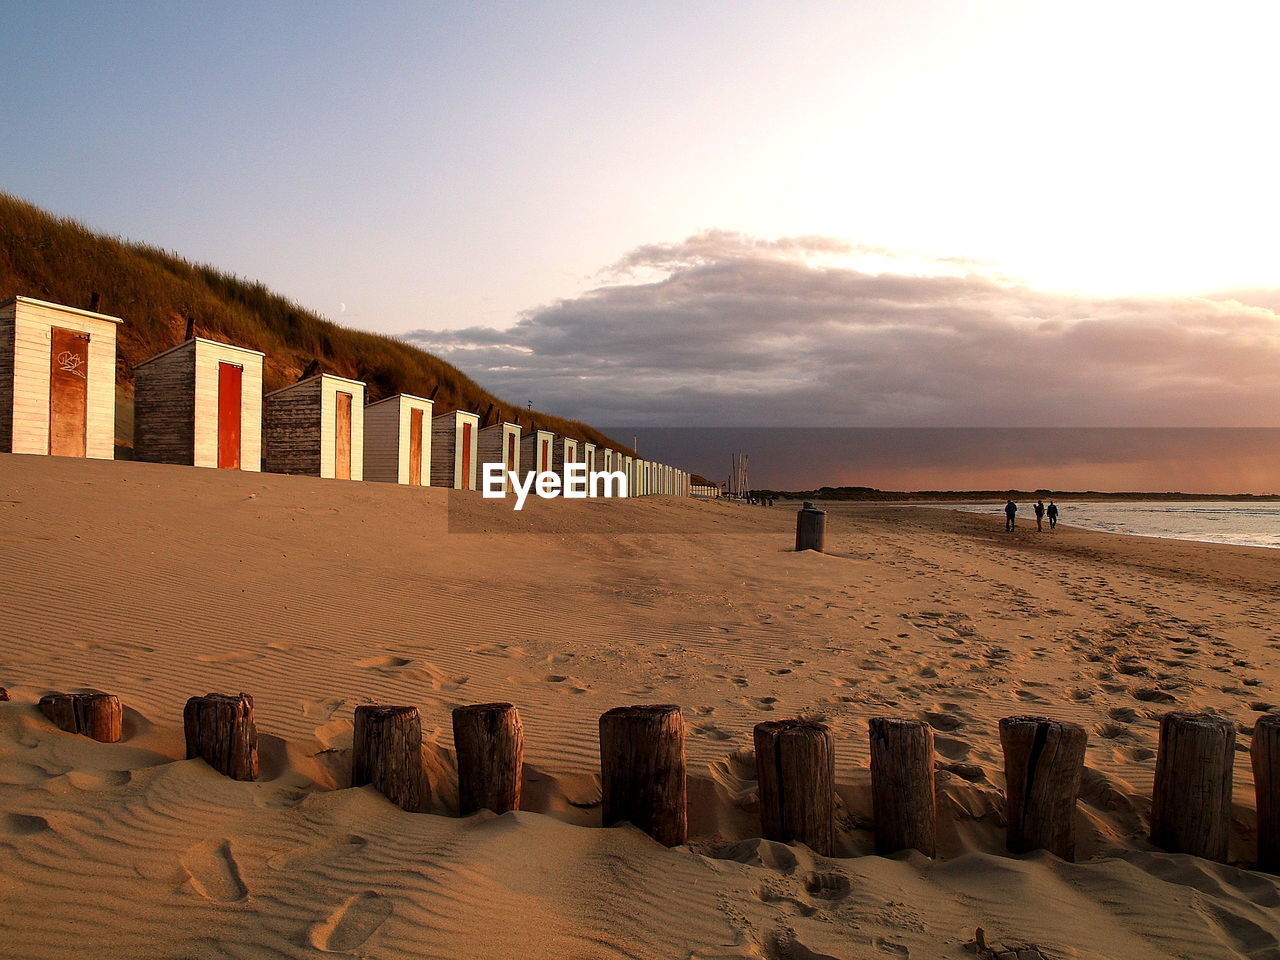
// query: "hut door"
[[415, 448], [466, 456], [545, 444], [230, 379], [342, 436], [68, 392], [511, 452]]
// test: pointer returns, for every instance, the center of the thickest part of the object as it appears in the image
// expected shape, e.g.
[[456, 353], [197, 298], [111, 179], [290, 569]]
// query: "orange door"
[[230, 378], [511, 452], [415, 448], [68, 392], [466, 456], [342, 437]]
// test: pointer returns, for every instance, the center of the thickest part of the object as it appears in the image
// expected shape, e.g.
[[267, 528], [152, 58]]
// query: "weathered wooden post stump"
[[1191, 800], [386, 751], [796, 774], [220, 731], [811, 528], [1043, 765], [642, 771], [903, 798], [97, 716], [489, 741], [4, 694], [1265, 752]]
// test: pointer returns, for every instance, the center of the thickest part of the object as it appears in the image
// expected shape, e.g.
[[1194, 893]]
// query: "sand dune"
[[158, 583]]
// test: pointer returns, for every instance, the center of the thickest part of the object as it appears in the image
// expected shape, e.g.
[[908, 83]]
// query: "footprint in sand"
[[383, 663], [321, 709], [22, 825], [213, 871], [352, 923]]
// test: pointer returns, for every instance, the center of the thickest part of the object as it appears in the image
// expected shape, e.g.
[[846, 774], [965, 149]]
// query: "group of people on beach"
[[1051, 511]]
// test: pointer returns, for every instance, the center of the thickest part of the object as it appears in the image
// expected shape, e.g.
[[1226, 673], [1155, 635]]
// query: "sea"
[[1208, 521], [1056, 460]]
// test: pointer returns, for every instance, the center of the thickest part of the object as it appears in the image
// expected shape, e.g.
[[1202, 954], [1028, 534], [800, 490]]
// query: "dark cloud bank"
[[727, 330]]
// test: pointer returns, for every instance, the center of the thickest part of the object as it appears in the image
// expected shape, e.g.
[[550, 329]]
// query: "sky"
[[819, 213]]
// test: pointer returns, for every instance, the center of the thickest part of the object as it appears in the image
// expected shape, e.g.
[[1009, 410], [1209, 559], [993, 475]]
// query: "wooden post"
[[1266, 781], [94, 715], [489, 741], [386, 751], [1191, 801], [811, 528], [1043, 764], [796, 773], [642, 771], [4, 694], [903, 798], [220, 731]]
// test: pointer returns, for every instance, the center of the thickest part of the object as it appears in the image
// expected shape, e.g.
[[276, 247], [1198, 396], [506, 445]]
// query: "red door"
[[466, 456], [230, 379], [68, 392], [511, 452], [342, 437], [415, 448], [545, 445]]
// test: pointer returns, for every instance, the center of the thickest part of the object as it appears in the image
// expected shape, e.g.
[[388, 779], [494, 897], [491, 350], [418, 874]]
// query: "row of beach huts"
[[201, 403]]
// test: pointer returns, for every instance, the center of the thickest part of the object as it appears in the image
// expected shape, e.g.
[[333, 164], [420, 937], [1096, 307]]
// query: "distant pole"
[[811, 528]]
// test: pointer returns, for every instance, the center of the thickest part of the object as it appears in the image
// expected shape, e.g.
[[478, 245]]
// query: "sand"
[[157, 583]]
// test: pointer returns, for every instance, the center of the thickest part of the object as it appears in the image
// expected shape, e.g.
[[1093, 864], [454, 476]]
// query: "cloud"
[[725, 329]]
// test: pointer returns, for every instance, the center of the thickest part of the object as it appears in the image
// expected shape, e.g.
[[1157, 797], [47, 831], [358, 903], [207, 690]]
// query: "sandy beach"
[[158, 583]]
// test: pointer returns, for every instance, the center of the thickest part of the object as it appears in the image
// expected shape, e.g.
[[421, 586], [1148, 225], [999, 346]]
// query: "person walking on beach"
[[1010, 512], [1040, 515], [1053, 515]]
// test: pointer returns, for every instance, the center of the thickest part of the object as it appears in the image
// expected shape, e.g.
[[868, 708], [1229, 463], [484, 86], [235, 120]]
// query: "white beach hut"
[[199, 403], [315, 427], [453, 450], [500, 443], [536, 450], [564, 450], [57, 380], [397, 440]]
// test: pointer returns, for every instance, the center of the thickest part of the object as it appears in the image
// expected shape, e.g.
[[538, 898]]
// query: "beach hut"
[[453, 450], [500, 443], [535, 451], [397, 440], [57, 380], [589, 457], [563, 451], [200, 404], [629, 468], [315, 427], [606, 459]]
